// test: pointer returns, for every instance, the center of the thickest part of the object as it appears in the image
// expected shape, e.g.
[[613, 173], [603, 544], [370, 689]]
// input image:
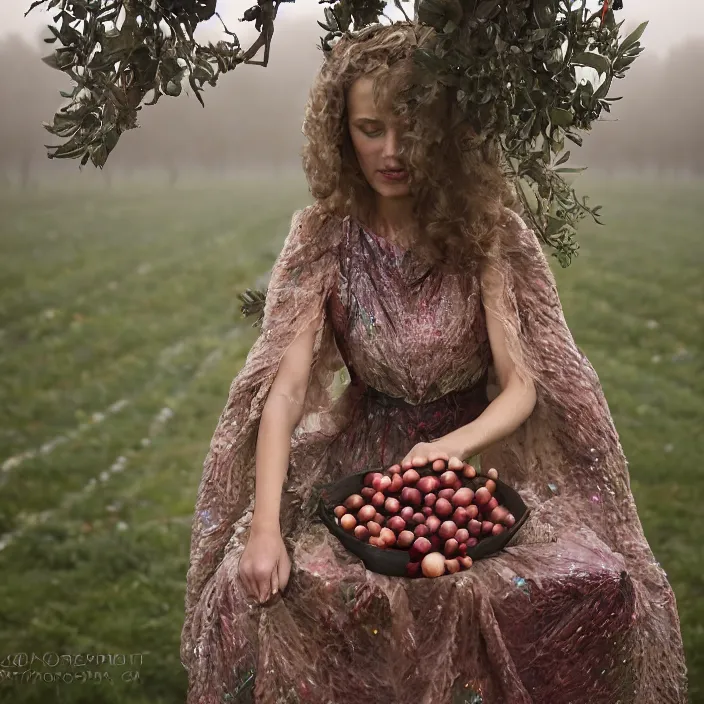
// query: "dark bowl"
[[393, 561]]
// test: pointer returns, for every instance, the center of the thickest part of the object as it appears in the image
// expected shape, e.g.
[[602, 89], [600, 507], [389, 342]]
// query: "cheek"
[[367, 154]]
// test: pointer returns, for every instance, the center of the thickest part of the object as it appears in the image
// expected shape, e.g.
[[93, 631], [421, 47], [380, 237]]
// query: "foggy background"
[[252, 118]]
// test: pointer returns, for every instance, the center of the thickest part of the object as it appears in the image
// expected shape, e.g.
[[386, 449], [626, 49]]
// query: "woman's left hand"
[[437, 452]]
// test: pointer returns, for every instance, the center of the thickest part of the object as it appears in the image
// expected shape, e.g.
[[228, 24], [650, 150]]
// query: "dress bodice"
[[402, 328]]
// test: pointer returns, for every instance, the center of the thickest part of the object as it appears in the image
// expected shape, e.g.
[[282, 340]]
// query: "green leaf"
[[563, 158], [331, 18], [158, 94], [51, 61], [546, 149], [75, 90], [172, 88], [544, 13], [69, 150], [437, 13], [603, 89], [531, 199], [486, 8], [554, 225], [527, 127], [589, 58], [449, 28], [560, 117], [632, 38], [99, 155], [537, 34], [623, 62]]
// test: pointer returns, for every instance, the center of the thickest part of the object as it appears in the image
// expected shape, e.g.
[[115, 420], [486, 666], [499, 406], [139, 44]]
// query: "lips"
[[395, 174]]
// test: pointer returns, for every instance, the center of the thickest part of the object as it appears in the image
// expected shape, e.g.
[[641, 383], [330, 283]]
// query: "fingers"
[[252, 588], [455, 463], [284, 570], [264, 587], [279, 576], [420, 458], [438, 458], [275, 581], [249, 587], [261, 588], [413, 461], [256, 583]]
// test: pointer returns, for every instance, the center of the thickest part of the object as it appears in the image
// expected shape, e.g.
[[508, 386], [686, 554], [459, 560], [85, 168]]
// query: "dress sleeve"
[[300, 282], [567, 462]]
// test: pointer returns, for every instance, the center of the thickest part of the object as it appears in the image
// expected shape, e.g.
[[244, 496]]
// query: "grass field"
[[120, 334]]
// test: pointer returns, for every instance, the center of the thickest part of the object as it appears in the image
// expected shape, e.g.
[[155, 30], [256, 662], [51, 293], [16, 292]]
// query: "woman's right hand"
[[264, 565]]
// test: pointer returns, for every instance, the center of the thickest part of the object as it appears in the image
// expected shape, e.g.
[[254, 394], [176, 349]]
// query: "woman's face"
[[375, 138]]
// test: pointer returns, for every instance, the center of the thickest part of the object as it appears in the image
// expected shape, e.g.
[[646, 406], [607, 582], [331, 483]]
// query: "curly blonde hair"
[[459, 190]]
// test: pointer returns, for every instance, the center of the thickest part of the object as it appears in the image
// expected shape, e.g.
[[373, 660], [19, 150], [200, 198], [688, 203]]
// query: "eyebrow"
[[368, 119]]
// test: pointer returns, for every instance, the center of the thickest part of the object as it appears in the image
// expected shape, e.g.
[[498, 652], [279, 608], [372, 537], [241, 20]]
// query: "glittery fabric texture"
[[576, 609]]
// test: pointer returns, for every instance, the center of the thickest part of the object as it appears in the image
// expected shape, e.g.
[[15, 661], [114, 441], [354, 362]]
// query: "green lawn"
[[119, 336]]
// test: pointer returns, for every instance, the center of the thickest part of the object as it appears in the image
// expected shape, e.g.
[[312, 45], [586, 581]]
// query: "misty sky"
[[670, 21]]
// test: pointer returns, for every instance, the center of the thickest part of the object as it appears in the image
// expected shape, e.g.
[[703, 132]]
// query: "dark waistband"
[[461, 397]]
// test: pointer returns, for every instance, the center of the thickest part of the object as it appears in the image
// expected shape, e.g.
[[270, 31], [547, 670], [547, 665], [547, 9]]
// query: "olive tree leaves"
[[521, 69], [114, 69], [350, 17], [529, 73]]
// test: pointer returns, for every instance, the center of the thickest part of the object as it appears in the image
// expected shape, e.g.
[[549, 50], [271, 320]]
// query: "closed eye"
[[369, 127]]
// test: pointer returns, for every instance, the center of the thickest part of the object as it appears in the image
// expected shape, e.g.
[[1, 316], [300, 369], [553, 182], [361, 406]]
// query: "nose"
[[391, 144]]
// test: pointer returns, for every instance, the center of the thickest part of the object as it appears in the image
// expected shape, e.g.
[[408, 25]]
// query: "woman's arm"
[[281, 414], [517, 398]]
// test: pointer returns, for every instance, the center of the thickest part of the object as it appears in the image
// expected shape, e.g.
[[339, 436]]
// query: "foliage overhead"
[[520, 68]]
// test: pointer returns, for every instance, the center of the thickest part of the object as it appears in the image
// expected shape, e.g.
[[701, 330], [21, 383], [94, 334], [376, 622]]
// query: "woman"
[[432, 292]]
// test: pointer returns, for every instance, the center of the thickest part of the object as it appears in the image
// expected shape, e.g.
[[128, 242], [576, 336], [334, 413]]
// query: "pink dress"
[[574, 610]]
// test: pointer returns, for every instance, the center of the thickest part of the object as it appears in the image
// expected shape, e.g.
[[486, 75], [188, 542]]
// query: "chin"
[[387, 190]]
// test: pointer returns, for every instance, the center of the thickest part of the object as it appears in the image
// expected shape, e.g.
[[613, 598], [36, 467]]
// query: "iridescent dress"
[[575, 609]]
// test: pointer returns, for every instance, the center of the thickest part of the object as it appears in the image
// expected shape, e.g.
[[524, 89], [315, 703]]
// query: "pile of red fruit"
[[434, 517]]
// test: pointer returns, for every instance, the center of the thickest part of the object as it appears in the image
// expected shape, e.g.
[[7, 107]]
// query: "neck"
[[393, 214]]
